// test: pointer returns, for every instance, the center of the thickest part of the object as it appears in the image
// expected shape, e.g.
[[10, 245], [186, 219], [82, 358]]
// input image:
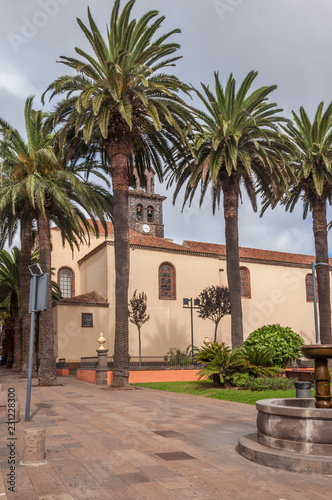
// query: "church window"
[[167, 285], [87, 320], [150, 212], [139, 212], [245, 282], [309, 289], [66, 282]]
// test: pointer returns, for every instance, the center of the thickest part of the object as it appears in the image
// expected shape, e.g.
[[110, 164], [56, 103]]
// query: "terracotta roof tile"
[[253, 253], [89, 299]]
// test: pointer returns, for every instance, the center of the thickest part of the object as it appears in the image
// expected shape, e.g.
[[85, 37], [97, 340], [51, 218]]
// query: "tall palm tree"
[[236, 141], [121, 97], [37, 184], [313, 172], [10, 293]]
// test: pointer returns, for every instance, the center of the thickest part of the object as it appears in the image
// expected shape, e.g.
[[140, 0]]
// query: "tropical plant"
[[138, 316], [180, 357], [36, 184], [313, 185], [124, 101], [10, 294], [283, 343], [225, 363], [214, 304], [237, 140]]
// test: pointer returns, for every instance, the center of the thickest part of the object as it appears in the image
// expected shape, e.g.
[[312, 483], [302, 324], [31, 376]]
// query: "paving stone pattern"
[[140, 444]]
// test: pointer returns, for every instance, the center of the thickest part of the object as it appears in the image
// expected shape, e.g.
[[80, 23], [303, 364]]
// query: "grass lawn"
[[207, 389]]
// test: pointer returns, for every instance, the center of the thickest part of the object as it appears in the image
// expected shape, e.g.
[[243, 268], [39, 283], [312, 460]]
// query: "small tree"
[[214, 305], [138, 316]]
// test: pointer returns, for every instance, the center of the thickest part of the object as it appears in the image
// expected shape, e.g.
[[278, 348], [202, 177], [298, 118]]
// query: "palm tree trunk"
[[323, 272], [47, 371], [25, 292], [230, 188], [17, 326], [9, 342], [119, 152]]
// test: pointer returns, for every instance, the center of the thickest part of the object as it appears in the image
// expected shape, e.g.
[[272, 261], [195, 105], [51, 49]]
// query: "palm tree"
[[237, 140], [36, 183], [313, 172], [10, 293], [120, 98]]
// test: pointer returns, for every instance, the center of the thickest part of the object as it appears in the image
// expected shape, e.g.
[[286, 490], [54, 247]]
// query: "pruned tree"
[[138, 316], [214, 304]]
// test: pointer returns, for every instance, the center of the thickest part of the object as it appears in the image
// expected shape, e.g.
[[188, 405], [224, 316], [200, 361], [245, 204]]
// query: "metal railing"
[[61, 363], [147, 363]]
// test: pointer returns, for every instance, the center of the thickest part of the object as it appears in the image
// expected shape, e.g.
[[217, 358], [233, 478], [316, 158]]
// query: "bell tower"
[[146, 207]]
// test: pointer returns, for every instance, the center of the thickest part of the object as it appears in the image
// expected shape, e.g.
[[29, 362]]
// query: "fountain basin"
[[317, 351], [292, 434], [294, 425]]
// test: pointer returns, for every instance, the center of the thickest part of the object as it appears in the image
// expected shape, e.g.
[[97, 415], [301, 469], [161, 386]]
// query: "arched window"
[[245, 282], [150, 212], [309, 289], [66, 282], [167, 283], [139, 212]]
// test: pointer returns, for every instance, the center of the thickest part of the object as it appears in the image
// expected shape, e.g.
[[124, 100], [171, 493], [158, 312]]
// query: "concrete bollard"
[[12, 414], [34, 446]]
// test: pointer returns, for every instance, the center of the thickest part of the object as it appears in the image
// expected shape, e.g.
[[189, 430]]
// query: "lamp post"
[[313, 267], [188, 304], [35, 271]]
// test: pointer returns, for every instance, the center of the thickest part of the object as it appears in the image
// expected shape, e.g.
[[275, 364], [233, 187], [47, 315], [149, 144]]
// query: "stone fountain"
[[296, 434]]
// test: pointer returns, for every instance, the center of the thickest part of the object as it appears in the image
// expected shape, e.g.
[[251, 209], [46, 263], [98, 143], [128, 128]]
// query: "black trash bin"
[[303, 389]]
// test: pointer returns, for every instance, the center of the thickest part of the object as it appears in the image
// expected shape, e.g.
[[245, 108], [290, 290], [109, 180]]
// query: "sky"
[[287, 41]]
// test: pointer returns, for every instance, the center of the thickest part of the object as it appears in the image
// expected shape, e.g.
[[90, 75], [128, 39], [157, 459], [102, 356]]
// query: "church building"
[[276, 287]]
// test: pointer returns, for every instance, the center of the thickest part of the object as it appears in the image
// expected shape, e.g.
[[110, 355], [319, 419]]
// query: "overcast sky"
[[287, 41]]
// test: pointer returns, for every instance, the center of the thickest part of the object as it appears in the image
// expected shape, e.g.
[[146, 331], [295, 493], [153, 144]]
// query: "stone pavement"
[[141, 444]]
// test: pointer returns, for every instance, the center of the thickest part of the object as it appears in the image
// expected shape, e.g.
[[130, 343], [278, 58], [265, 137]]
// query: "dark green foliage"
[[282, 342], [137, 316], [137, 309], [227, 366], [222, 362], [264, 384], [214, 305], [175, 356]]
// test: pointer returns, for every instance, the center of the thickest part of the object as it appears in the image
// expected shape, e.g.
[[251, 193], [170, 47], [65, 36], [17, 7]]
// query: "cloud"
[[15, 83]]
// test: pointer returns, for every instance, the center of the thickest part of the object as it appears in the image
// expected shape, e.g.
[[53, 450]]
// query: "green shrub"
[[231, 367], [264, 384], [283, 343], [222, 363], [176, 356]]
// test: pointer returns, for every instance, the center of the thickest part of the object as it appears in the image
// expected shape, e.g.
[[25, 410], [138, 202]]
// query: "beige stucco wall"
[[277, 296], [94, 276], [74, 341], [64, 256], [169, 324]]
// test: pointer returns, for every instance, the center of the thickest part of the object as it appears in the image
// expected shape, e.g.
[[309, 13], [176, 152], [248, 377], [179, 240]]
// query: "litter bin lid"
[[302, 385]]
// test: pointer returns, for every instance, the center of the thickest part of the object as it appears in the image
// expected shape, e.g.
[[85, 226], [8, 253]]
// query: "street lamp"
[[313, 267], [188, 304]]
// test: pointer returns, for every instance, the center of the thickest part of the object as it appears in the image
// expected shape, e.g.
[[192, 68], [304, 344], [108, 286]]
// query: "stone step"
[[249, 448]]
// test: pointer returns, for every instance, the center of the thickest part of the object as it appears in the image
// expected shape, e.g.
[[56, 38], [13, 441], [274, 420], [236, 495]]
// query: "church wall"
[[278, 295], [94, 274], [64, 256], [75, 341], [169, 324]]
